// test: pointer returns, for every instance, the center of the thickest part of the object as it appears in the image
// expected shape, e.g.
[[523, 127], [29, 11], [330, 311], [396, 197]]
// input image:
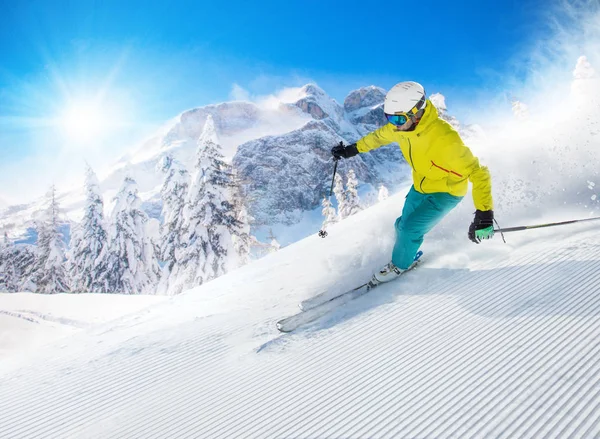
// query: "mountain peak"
[[312, 89], [364, 97], [317, 103]]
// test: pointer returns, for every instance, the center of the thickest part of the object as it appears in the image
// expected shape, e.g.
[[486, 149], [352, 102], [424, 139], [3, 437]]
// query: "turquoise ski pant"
[[420, 214]]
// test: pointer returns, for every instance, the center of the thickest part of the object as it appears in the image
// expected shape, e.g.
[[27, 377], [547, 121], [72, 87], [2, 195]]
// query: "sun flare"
[[82, 121]]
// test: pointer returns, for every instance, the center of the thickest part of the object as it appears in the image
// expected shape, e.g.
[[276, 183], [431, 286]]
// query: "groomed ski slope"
[[496, 340]]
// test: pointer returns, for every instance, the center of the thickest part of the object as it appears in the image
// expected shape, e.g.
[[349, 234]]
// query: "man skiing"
[[441, 168]]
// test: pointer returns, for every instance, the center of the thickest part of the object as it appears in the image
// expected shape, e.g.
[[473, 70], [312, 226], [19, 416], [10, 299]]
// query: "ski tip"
[[281, 327]]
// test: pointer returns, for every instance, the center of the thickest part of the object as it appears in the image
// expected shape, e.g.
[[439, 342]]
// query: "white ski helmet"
[[405, 97]]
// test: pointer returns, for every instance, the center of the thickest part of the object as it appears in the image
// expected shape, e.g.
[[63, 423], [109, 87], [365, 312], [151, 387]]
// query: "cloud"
[[271, 100], [239, 93], [284, 96]]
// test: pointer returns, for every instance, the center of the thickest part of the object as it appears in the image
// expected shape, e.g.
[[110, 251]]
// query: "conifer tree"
[[583, 69], [340, 196], [273, 243], [351, 200], [210, 219], [50, 274], [242, 239], [329, 213], [174, 193], [16, 262], [586, 84], [383, 193], [6, 264], [129, 263], [88, 240], [520, 110]]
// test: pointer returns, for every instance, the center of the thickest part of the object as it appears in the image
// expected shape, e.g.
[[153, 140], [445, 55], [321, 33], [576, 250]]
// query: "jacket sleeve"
[[377, 138], [463, 163]]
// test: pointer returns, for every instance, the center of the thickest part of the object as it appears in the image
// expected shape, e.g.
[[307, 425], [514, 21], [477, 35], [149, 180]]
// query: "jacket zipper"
[[410, 155], [411, 162]]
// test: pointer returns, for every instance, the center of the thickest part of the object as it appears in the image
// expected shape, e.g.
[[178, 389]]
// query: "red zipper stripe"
[[451, 172]]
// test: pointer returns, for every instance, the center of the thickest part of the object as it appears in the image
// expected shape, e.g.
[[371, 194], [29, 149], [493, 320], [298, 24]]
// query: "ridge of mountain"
[[290, 136]]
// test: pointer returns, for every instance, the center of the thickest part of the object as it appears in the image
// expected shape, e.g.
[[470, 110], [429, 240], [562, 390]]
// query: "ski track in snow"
[[507, 348], [33, 316]]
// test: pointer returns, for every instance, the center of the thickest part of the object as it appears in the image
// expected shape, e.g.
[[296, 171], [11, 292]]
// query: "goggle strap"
[[414, 110]]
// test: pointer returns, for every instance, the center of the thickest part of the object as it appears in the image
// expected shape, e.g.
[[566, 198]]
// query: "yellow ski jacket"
[[439, 159]]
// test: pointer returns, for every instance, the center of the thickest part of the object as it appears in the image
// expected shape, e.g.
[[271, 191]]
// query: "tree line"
[[205, 233]]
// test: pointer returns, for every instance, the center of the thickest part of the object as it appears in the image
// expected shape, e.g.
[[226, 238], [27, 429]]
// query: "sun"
[[83, 121]]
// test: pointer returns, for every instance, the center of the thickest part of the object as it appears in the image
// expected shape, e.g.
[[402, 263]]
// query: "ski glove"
[[341, 151], [482, 226]]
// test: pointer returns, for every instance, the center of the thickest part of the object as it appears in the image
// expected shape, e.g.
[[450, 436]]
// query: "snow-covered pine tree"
[[383, 193], [6, 264], [174, 193], [329, 213], [242, 240], [340, 196], [15, 265], [586, 83], [264, 248], [520, 110], [88, 240], [129, 262], [352, 201], [209, 215], [274, 244], [50, 274], [583, 69]]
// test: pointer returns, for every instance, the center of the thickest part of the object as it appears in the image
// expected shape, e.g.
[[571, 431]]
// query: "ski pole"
[[333, 179], [323, 233], [539, 226]]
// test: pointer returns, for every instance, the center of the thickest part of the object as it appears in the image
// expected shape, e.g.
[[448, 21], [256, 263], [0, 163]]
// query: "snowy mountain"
[[279, 145], [365, 107], [289, 174], [490, 340]]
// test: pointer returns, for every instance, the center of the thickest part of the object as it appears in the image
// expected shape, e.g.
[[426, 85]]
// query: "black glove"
[[482, 226], [341, 151]]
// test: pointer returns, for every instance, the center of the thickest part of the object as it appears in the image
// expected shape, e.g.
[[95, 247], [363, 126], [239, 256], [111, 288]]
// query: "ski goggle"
[[397, 119], [400, 119]]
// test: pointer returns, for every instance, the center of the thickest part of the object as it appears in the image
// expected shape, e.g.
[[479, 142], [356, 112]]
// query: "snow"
[[489, 340], [481, 340], [30, 321]]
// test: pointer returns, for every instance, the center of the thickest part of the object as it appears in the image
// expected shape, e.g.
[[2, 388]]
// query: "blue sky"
[[146, 61]]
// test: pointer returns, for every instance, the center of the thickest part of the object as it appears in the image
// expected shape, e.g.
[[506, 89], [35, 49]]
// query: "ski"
[[326, 296], [320, 299], [304, 317], [318, 310]]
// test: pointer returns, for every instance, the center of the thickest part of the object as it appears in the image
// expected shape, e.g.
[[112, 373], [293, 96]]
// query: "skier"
[[441, 167]]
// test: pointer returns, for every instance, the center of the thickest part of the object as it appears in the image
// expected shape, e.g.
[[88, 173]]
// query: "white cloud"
[[239, 93], [268, 101], [283, 96]]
